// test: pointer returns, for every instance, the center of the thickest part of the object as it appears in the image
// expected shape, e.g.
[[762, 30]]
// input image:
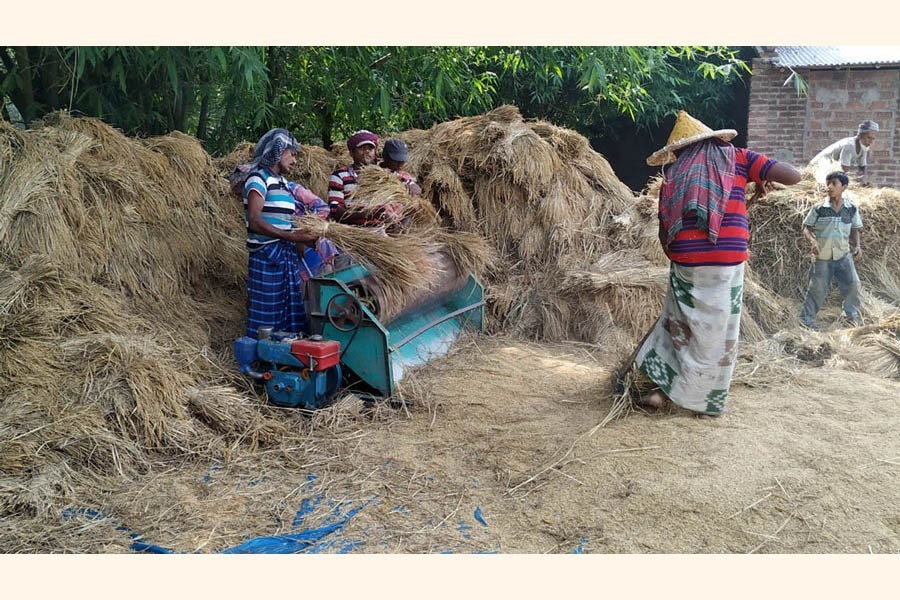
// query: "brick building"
[[845, 85]]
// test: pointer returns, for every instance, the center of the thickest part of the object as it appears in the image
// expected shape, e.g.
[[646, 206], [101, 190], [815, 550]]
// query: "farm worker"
[[363, 148], [393, 157], [313, 260], [274, 283], [832, 230], [690, 353], [850, 152]]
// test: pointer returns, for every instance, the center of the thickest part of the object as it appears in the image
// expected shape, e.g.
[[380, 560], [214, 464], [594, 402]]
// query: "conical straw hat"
[[687, 131]]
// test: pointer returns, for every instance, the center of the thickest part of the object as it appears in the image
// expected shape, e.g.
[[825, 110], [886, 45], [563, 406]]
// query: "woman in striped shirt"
[[690, 353], [274, 282]]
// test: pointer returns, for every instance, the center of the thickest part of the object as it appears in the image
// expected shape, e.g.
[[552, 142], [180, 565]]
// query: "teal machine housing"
[[379, 353]]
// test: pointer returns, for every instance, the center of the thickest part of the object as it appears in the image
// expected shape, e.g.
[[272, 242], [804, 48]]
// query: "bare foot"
[[655, 399]]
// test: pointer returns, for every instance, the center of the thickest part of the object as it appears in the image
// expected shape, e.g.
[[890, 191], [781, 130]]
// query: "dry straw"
[[121, 263], [122, 285]]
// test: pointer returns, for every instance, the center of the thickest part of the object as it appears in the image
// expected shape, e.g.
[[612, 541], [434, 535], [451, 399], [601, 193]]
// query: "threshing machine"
[[358, 341]]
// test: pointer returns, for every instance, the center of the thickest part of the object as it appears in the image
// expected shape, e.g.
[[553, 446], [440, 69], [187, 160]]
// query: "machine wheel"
[[366, 295], [344, 312]]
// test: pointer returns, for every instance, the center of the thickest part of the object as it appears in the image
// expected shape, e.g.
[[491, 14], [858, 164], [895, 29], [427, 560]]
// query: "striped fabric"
[[691, 245], [698, 182], [278, 205], [832, 228], [275, 289], [341, 183]]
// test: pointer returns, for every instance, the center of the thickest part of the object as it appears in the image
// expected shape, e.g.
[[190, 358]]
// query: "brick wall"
[[796, 129]]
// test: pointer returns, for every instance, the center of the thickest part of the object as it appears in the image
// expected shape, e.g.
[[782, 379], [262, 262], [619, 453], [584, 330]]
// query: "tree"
[[142, 90], [587, 87], [323, 93], [328, 92]]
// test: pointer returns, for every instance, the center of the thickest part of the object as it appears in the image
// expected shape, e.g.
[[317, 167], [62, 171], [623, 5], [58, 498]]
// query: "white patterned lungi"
[[690, 353]]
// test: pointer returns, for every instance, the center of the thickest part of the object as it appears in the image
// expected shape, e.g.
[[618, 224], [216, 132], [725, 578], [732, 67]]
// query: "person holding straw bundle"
[[363, 147], [689, 354], [849, 152], [274, 282], [393, 158]]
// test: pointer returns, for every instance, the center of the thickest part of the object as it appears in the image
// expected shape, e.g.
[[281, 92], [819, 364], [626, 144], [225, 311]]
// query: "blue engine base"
[[288, 382], [290, 389]]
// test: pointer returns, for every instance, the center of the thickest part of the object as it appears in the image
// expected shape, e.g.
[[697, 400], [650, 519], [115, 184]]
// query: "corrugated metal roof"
[[835, 56]]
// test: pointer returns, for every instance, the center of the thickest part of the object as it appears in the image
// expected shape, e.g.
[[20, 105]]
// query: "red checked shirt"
[[692, 247]]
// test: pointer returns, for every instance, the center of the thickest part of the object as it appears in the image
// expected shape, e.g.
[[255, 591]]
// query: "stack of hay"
[[121, 279], [547, 204]]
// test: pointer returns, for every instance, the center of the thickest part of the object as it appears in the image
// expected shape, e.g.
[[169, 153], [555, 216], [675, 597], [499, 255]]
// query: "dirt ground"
[[500, 453]]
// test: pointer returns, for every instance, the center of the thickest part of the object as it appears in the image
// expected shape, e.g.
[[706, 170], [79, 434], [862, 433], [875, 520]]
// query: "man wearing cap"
[[393, 157], [690, 353], [362, 146], [851, 152]]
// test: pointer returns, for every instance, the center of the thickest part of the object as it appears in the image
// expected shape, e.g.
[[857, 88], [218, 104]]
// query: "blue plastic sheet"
[[307, 505], [137, 544], [302, 541]]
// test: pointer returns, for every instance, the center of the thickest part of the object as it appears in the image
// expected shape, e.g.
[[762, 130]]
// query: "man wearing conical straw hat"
[[690, 352]]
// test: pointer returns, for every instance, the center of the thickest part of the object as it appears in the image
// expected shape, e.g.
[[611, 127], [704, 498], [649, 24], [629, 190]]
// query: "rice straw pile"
[[122, 286], [121, 280], [545, 202]]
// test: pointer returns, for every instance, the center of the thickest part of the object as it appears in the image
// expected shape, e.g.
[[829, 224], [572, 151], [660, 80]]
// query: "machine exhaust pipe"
[[248, 370]]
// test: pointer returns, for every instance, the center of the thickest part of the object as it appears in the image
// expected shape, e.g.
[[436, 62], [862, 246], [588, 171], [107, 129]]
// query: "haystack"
[[121, 281], [543, 200]]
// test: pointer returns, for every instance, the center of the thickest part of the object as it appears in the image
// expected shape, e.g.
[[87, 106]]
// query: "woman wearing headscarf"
[[274, 283], [703, 227]]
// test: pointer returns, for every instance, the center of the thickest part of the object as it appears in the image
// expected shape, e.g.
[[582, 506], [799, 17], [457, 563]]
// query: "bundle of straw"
[[399, 263]]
